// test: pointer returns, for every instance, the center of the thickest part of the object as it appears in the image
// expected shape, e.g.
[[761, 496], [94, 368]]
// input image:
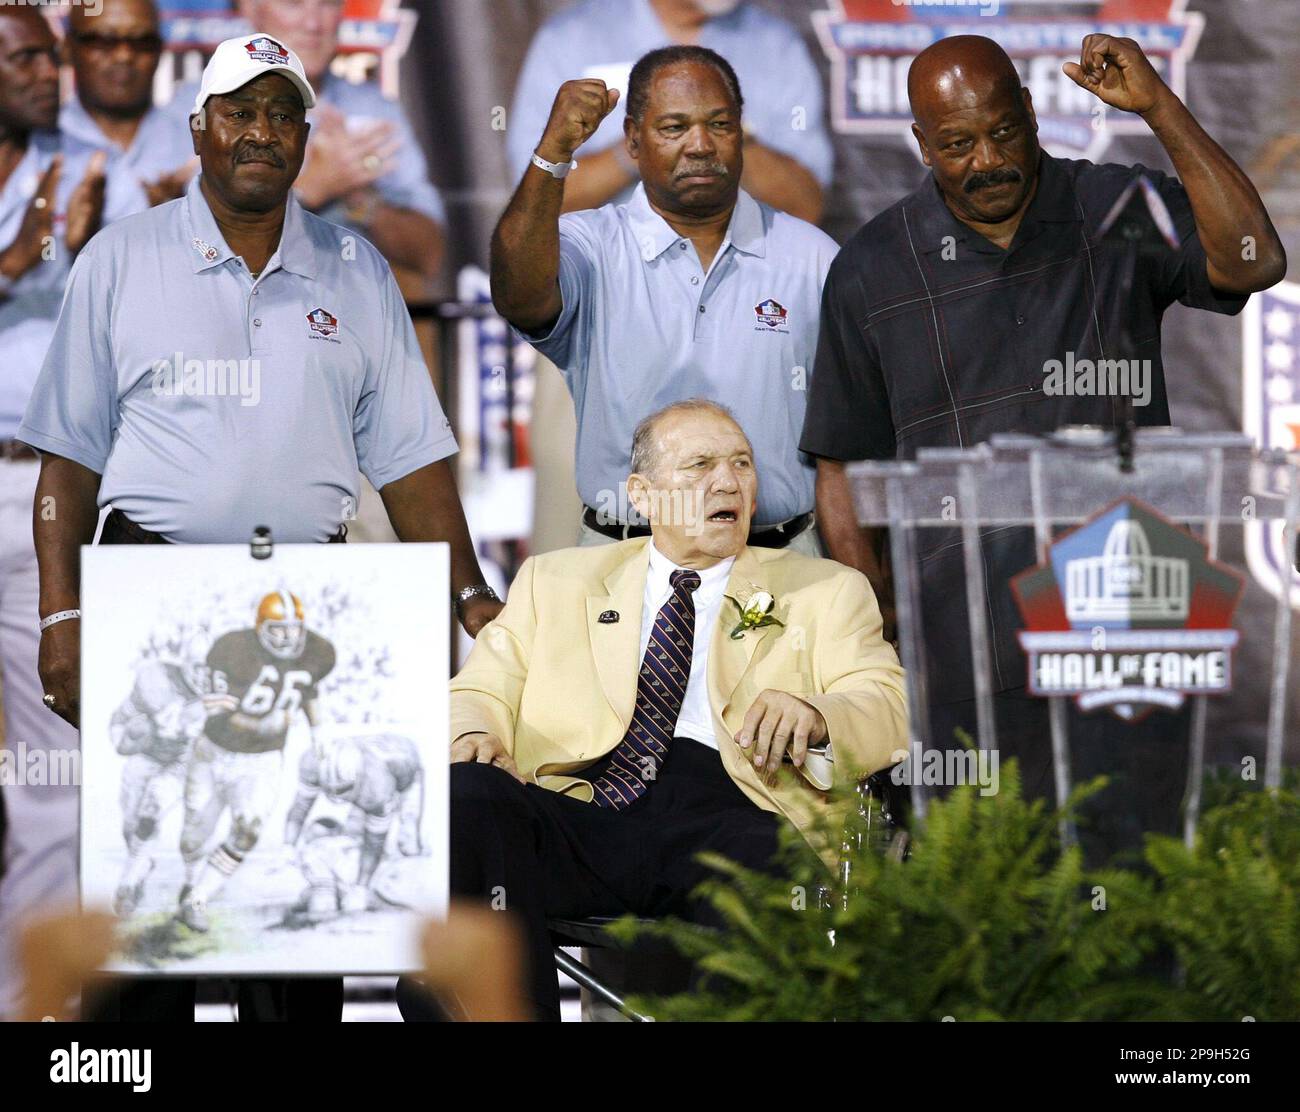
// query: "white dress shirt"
[[696, 718]]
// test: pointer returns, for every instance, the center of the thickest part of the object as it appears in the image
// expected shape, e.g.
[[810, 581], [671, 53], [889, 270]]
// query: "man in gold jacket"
[[633, 704]]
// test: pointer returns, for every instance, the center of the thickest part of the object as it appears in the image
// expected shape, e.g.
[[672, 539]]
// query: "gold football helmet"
[[280, 625]]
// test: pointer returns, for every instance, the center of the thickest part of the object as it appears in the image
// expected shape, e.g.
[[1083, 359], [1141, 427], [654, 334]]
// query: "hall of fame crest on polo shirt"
[[265, 755], [1270, 409]]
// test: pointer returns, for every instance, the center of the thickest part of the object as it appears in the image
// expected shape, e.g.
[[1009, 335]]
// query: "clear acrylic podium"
[[1209, 483]]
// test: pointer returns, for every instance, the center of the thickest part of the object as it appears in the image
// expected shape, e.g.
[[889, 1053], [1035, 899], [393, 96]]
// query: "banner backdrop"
[[1233, 61]]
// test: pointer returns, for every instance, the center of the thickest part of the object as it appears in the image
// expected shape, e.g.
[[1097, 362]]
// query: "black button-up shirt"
[[933, 336]]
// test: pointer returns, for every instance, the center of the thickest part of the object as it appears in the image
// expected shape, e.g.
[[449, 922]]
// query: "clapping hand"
[[343, 160], [167, 187], [86, 205], [36, 232]]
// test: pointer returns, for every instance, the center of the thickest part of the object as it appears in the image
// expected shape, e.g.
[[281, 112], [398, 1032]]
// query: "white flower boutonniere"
[[755, 614]]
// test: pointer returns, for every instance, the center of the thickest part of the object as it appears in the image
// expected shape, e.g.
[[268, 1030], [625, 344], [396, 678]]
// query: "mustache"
[[250, 153], [702, 168], [992, 177]]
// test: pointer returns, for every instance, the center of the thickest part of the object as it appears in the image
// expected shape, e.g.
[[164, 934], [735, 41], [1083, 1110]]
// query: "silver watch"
[[558, 170], [478, 590]]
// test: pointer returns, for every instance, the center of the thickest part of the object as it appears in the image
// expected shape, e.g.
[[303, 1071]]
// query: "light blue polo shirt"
[[406, 185], [161, 145], [31, 306], [782, 88], [212, 403], [643, 326]]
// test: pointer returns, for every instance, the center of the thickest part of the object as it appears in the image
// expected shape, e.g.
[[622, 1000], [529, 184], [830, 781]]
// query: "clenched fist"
[[1117, 72], [579, 108]]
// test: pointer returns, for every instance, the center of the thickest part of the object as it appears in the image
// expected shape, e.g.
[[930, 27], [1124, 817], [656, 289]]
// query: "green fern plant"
[[989, 919], [1230, 908]]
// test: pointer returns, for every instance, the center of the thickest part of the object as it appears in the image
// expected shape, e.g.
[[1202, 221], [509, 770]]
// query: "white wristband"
[[558, 170], [59, 616]]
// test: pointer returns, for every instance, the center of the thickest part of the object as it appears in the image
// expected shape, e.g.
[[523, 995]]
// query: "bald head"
[[958, 72], [976, 129]]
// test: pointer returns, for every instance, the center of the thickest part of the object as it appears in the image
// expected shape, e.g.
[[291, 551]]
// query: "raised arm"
[[1242, 249], [526, 242]]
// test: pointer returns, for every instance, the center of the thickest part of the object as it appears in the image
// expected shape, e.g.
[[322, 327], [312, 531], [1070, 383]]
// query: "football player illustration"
[[155, 729], [382, 778], [264, 677]]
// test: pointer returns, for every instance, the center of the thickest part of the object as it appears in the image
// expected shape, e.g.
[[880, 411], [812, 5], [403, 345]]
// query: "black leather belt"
[[120, 529], [769, 536], [17, 450]]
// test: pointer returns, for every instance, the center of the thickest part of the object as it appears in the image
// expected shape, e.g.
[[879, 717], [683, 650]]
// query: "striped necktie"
[[660, 690]]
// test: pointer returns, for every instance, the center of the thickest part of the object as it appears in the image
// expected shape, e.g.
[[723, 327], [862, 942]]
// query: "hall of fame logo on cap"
[[323, 323], [871, 44], [263, 49], [1128, 613], [1270, 410], [771, 314]]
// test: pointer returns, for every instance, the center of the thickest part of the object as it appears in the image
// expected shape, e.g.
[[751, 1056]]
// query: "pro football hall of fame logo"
[[1128, 613], [871, 44]]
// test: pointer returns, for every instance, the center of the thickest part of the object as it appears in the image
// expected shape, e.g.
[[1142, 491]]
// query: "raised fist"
[[579, 108], [1117, 72]]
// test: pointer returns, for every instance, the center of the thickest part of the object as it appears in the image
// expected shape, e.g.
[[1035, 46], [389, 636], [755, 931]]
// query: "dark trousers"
[[138, 999], [550, 855], [1145, 763]]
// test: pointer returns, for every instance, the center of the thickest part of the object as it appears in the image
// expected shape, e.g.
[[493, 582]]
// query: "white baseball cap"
[[238, 61]]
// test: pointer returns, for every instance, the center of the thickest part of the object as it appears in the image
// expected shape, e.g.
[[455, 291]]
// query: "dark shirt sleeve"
[[1182, 275], [223, 658], [848, 415], [320, 665]]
